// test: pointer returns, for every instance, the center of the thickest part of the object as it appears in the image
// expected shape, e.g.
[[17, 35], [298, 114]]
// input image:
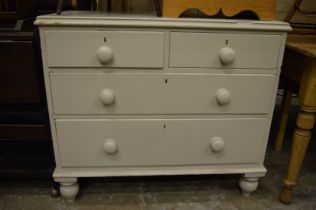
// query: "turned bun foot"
[[248, 185], [69, 191]]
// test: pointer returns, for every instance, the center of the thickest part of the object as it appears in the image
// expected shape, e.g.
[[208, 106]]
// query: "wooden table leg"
[[281, 127], [302, 134]]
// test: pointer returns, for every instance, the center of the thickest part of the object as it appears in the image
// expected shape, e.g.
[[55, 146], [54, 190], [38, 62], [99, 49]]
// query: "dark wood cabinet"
[[25, 139], [19, 79], [23, 110]]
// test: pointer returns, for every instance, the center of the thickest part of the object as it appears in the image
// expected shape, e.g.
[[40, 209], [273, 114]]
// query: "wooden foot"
[[69, 188], [286, 196], [55, 190], [248, 185], [302, 134]]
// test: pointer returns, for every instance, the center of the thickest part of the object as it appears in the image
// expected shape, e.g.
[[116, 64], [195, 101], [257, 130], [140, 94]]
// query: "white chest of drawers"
[[152, 96]]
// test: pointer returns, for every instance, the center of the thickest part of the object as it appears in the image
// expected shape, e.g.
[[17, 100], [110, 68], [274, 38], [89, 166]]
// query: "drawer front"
[[159, 141], [224, 50], [105, 49], [161, 94]]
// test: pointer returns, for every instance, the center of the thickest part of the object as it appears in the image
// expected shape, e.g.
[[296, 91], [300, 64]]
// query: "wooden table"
[[264, 9], [300, 67]]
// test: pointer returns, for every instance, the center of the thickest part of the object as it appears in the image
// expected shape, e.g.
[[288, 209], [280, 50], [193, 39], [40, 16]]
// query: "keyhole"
[[164, 126], [166, 81], [104, 39], [226, 41]]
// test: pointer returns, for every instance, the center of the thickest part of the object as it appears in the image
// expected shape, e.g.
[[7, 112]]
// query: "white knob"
[[107, 97], [110, 146], [227, 55], [104, 54], [222, 96], [217, 144]]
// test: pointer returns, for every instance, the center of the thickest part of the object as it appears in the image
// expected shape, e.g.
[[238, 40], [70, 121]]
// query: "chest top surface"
[[87, 18]]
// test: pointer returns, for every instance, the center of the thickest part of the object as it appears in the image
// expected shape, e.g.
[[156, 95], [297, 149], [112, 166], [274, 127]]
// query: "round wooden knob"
[[217, 144], [223, 96], [227, 55], [107, 97], [110, 147], [104, 54]]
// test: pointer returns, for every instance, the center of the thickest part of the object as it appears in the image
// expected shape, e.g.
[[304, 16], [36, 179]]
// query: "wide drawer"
[[140, 142], [102, 93], [105, 49], [220, 50]]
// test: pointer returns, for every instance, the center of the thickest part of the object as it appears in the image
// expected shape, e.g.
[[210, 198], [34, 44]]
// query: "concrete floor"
[[173, 192], [179, 192]]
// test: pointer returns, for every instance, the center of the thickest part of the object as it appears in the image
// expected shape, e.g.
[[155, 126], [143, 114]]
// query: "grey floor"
[[175, 192]]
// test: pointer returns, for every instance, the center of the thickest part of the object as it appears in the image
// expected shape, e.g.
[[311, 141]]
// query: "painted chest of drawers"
[[139, 96]]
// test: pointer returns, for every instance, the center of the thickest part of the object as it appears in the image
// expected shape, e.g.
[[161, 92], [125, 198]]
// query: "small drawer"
[[101, 93], [218, 50], [105, 49], [150, 142]]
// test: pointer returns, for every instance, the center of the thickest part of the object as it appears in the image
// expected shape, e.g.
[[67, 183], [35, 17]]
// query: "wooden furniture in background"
[[25, 140], [265, 9], [296, 7], [22, 97], [282, 121], [300, 68], [18, 77]]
